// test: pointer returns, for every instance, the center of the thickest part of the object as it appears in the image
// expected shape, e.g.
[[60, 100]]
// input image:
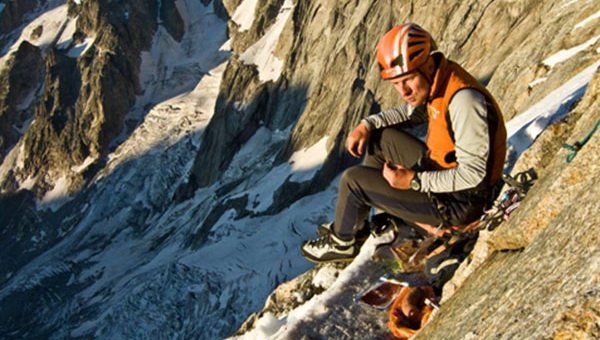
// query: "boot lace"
[[320, 242]]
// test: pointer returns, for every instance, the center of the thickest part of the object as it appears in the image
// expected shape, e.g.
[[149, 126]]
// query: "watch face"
[[415, 184]]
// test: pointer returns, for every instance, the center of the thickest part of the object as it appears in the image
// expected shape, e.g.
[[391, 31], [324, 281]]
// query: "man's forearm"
[[393, 116]]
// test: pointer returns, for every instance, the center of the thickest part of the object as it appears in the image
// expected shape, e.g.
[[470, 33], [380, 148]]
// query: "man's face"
[[413, 88]]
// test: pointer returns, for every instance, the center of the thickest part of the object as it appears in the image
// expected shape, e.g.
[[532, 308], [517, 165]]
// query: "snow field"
[[301, 167], [54, 23], [145, 274]]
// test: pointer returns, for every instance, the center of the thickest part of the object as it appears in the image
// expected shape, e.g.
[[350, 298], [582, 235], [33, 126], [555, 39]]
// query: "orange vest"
[[449, 79]]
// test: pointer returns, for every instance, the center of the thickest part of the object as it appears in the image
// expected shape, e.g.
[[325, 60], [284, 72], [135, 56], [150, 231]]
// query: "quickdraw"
[[509, 200]]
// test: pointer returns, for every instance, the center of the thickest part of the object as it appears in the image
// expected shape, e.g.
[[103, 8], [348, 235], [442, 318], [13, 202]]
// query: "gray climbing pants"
[[363, 187]]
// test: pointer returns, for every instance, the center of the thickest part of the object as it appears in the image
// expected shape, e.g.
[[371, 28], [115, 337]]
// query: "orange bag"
[[410, 312]]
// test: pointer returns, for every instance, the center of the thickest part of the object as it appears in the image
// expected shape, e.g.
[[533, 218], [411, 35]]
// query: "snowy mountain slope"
[[124, 251], [51, 14], [123, 258]]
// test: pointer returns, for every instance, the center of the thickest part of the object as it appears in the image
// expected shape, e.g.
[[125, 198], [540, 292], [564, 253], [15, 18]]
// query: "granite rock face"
[[20, 81], [61, 116], [517, 279], [83, 101]]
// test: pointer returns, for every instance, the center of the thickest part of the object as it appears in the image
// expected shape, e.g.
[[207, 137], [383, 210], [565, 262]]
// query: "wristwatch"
[[415, 183]]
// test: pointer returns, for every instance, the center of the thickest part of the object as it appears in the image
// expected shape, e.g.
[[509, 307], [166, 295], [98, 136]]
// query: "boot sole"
[[316, 260]]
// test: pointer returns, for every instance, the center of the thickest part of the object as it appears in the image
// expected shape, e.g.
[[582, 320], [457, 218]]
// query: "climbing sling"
[[579, 144]]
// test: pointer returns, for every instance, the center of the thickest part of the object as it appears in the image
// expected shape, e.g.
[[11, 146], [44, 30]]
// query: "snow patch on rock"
[[302, 166], [588, 20], [54, 22], [524, 128], [261, 53], [84, 165], [563, 55], [325, 277], [80, 49], [244, 14], [56, 197]]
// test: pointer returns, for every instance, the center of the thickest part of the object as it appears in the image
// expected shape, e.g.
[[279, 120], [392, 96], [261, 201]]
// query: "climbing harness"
[[578, 145], [434, 250]]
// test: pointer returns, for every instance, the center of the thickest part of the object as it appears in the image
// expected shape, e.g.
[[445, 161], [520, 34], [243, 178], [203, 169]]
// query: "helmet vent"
[[415, 54], [414, 34], [398, 61]]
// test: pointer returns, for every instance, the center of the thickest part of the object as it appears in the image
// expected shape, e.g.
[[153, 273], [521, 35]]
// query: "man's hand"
[[397, 176], [357, 139]]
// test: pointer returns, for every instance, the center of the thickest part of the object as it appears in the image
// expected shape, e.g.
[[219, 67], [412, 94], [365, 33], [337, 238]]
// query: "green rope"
[[578, 145]]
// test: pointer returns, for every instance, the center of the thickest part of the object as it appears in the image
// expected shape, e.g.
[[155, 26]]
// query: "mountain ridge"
[[147, 201]]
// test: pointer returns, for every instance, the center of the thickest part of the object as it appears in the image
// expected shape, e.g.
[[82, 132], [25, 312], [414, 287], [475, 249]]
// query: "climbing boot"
[[329, 248]]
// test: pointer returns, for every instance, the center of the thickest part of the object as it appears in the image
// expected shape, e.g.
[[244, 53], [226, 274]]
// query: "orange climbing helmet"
[[404, 49]]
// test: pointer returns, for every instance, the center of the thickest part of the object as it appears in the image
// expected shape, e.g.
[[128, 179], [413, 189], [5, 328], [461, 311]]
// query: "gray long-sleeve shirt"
[[468, 111]]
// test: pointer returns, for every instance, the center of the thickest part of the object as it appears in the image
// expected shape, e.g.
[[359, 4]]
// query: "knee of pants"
[[389, 134], [348, 176], [351, 175]]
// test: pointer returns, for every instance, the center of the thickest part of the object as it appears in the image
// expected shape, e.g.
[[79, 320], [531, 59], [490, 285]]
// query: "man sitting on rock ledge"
[[446, 181]]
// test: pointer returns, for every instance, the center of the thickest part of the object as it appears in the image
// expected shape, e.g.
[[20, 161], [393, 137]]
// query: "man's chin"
[[414, 103]]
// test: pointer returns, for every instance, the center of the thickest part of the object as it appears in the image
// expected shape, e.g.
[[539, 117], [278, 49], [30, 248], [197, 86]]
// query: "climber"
[[446, 180]]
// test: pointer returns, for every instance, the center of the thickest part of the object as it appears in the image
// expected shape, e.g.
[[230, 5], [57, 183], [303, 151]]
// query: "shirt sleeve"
[[395, 116], [468, 112]]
